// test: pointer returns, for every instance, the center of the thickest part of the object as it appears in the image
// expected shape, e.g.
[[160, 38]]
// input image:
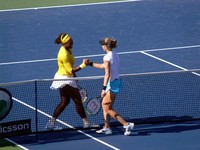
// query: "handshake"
[[86, 62]]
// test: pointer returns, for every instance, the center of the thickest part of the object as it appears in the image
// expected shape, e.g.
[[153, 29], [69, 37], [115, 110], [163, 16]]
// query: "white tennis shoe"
[[51, 125], [128, 128], [106, 131], [86, 124]]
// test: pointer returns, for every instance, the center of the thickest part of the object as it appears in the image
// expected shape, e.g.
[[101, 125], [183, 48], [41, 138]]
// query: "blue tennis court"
[[153, 36]]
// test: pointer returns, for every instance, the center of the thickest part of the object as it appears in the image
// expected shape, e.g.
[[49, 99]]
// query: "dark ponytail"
[[58, 40], [110, 42], [113, 43]]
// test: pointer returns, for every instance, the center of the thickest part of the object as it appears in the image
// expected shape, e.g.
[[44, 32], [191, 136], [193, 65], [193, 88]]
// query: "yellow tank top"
[[65, 62]]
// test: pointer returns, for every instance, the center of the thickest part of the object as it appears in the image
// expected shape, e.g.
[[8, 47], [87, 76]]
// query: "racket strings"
[[93, 106]]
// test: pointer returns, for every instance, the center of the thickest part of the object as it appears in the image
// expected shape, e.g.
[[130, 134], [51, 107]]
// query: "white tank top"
[[113, 58]]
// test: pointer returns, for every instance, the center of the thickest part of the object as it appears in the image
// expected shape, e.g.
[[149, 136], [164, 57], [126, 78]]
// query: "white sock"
[[85, 120]]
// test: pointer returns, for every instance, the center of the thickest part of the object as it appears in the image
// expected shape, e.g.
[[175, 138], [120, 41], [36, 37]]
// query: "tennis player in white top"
[[111, 86]]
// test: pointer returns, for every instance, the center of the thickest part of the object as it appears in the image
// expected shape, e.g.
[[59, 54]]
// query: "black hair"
[[58, 40]]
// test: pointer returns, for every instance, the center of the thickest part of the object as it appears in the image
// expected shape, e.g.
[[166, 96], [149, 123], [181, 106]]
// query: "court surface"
[[153, 36]]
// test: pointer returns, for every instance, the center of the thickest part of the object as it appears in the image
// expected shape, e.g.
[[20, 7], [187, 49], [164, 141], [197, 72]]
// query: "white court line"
[[167, 62], [22, 147], [98, 55], [66, 124], [65, 6]]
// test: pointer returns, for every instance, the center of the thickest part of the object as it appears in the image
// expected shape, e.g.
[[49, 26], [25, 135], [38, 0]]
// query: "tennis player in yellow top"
[[68, 88]]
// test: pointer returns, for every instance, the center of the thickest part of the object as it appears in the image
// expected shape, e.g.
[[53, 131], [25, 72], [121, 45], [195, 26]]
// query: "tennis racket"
[[93, 105], [83, 94]]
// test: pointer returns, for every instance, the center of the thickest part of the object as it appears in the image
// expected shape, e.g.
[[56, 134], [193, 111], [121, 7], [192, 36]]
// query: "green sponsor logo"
[[6, 103]]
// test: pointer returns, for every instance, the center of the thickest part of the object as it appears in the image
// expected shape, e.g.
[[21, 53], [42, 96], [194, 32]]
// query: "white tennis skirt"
[[64, 80]]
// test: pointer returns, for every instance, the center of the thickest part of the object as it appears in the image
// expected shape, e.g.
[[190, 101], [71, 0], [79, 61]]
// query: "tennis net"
[[144, 98]]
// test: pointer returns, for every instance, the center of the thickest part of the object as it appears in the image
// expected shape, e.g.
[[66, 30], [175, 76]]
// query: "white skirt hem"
[[57, 84]]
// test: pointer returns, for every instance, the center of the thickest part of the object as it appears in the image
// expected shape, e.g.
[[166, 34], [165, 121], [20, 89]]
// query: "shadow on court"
[[139, 130], [167, 128]]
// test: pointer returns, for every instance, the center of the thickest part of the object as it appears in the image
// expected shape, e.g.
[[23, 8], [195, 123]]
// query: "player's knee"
[[107, 107]]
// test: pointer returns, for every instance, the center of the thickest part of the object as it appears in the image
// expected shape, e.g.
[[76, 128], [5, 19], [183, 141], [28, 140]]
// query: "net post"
[[36, 109]]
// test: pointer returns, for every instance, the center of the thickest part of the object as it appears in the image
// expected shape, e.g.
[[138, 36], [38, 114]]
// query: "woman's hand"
[[86, 62], [103, 93]]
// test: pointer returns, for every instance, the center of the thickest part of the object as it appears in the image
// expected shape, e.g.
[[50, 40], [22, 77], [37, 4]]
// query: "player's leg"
[[107, 105], [64, 102], [108, 108], [75, 95]]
